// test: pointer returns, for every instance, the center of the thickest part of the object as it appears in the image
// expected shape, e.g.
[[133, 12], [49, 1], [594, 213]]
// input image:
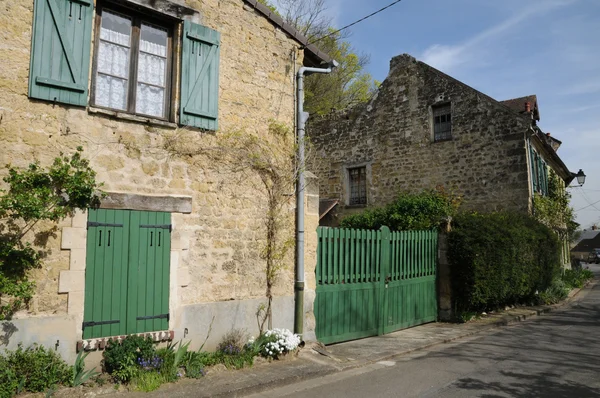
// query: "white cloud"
[[448, 57]]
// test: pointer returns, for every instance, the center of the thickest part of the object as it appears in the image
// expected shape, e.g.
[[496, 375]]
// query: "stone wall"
[[485, 162], [217, 246]]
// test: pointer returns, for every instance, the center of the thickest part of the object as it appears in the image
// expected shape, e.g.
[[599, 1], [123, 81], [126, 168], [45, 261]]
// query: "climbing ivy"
[[554, 210], [36, 194]]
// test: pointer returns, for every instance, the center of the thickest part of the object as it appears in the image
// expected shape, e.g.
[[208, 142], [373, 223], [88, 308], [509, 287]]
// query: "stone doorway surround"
[[72, 281]]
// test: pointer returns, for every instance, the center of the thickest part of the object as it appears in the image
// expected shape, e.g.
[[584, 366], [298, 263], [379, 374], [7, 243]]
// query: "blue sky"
[[506, 49]]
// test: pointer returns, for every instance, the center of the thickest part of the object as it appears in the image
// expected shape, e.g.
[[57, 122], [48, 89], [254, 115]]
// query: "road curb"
[[341, 367]]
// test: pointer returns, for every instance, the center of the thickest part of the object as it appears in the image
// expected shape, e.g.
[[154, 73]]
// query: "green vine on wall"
[[554, 210], [253, 158], [36, 194]]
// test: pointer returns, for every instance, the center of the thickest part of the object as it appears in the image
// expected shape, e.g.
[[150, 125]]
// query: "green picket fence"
[[373, 282]]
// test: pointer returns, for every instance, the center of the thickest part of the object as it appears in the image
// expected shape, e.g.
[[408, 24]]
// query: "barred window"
[[358, 185], [442, 123]]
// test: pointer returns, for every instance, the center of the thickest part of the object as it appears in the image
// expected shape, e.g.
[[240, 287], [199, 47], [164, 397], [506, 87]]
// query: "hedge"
[[500, 259], [425, 210]]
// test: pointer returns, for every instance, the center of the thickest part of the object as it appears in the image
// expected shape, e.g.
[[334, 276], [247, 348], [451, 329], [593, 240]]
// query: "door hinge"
[[164, 226], [161, 316], [94, 323], [102, 224]]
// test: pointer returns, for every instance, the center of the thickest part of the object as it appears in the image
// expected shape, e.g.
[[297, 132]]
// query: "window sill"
[[131, 118], [360, 206]]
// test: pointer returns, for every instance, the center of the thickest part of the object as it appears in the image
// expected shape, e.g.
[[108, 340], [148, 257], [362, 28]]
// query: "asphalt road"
[[554, 355]]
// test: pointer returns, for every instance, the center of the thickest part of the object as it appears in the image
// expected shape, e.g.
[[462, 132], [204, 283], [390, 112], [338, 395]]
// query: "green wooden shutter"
[[199, 77], [533, 167], [60, 50], [149, 257], [106, 274], [127, 272]]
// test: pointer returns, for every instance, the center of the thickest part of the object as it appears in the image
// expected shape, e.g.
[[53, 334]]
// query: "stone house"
[[588, 241], [124, 80], [424, 128]]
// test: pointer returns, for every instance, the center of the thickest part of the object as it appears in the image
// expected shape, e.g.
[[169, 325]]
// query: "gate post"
[[445, 312], [384, 269]]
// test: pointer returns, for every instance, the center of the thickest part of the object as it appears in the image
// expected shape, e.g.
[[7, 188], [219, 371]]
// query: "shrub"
[[35, 194], [557, 292], [123, 360], [499, 259], [147, 381], [80, 375], [276, 342], [193, 363], [33, 369], [575, 278], [232, 343], [426, 210]]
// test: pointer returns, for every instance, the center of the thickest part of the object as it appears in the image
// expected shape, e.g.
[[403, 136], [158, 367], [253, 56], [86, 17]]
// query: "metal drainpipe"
[[302, 117]]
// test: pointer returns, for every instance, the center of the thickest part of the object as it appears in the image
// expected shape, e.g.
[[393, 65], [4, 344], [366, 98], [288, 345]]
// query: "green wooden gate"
[[373, 282], [127, 272]]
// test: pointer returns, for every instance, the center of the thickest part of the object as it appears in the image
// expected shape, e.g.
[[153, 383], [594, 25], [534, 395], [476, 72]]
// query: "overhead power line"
[[590, 205], [354, 23]]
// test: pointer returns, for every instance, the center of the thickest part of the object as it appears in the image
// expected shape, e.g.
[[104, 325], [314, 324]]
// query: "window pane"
[[111, 92], [113, 59], [151, 69], [150, 100], [153, 40], [115, 28]]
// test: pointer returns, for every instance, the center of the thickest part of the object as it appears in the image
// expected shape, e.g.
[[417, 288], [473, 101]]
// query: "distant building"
[[424, 128]]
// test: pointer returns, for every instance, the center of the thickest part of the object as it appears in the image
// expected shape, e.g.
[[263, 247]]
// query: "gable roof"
[[587, 245], [312, 55], [518, 105], [586, 235], [326, 205]]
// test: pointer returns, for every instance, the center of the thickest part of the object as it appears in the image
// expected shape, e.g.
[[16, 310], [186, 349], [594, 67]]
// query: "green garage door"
[[127, 272]]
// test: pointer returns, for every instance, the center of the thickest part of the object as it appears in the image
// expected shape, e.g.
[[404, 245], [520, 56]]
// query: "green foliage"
[[500, 259], [426, 210], [148, 381], [123, 360], [34, 369], [194, 363], [269, 5], [575, 279], [346, 85], [554, 210], [233, 342], [555, 293], [36, 194], [80, 375]]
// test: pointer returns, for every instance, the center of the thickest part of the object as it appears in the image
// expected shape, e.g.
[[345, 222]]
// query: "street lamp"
[[580, 177]]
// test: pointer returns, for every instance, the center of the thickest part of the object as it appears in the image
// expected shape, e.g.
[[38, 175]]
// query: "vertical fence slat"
[[341, 277], [336, 239]]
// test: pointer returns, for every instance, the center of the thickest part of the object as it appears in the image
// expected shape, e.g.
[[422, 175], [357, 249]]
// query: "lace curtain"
[[113, 62], [152, 62], [112, 80]]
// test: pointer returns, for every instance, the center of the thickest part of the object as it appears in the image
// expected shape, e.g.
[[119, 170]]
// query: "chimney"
[[527, 107], [594, 227]]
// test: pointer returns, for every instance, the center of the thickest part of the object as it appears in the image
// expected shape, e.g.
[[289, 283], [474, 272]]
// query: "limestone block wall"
[[485, 162], [218, 242]]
